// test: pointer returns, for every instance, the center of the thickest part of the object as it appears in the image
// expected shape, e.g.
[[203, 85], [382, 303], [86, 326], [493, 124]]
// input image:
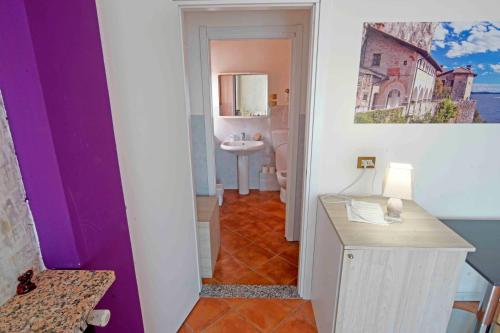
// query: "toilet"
[[280, 145]]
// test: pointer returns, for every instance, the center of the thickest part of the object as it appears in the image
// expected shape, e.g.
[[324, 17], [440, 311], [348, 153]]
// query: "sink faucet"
[[243, 136]]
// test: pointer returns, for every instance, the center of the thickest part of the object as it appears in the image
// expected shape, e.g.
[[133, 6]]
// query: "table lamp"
[[398, 184]]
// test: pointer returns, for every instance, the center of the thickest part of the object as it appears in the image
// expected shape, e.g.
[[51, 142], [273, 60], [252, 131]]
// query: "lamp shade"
[[398, 182]]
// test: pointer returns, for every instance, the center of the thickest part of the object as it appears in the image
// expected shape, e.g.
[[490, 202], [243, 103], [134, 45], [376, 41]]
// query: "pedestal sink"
[[242, 149]]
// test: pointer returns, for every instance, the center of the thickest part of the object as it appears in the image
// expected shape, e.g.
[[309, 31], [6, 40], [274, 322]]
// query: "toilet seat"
[[280, 145], [281, 175]]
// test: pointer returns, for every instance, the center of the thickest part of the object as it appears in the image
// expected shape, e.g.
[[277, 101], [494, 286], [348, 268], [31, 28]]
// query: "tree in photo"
[[446, 112]]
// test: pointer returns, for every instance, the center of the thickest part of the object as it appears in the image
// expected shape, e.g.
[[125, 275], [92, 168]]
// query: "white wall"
[[144, 67], [194, 20], [457, 167], [457, 171]]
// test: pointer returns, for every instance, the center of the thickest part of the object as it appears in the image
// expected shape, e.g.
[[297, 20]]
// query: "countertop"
[[419, 229], [485, 236], [61, 302]]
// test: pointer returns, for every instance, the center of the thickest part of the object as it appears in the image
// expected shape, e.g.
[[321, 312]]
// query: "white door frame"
[[294, 33], [308, 225]]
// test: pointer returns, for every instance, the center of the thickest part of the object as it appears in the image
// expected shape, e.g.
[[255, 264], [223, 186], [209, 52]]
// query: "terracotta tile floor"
[[242, 315], [467, 306], [229, 315], [253, 245]]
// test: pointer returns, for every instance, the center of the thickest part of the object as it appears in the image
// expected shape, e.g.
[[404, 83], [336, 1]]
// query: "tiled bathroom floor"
[[229, 315], [253, 246], [470, 306]]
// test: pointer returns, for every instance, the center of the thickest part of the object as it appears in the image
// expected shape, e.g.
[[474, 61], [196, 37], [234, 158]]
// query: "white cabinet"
[[328, 257], [384, 279]]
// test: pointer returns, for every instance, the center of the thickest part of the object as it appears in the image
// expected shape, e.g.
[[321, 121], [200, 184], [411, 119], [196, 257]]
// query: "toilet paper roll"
[[99, 318], [265, 169], [272, 169]]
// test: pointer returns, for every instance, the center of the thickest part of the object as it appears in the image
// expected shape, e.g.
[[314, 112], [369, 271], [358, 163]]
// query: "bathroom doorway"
[[247, 131], [250, 80]]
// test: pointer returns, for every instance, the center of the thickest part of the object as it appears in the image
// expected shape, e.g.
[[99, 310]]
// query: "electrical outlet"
[[369, 161]]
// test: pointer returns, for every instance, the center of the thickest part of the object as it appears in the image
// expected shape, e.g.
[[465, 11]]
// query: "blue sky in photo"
[[470, 43]]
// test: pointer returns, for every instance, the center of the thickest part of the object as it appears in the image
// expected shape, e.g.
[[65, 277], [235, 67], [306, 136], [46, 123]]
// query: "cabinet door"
[[397, 290]]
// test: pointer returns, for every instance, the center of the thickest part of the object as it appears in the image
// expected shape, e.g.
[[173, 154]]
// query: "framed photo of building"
[[429, 72]]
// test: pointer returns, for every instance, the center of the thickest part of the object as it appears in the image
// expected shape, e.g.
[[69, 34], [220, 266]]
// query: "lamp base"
[[390, 219], [394, 210]]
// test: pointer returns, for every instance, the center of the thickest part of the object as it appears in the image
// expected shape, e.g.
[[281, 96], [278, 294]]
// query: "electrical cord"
[[354, 182], [340, 195], [344, 199], [373, 181]]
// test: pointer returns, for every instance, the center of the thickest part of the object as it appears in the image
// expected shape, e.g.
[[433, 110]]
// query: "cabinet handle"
[[350, 256]]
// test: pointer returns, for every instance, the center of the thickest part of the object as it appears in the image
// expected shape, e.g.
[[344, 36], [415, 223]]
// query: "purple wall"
[[23, 97], [70, 165]]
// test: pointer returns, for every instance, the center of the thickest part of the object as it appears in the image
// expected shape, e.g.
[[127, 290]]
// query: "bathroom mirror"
[[243, 95]]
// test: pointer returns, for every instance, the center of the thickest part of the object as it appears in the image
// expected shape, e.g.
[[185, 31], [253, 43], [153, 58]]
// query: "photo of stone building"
[[401, 80], [459, 81]]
